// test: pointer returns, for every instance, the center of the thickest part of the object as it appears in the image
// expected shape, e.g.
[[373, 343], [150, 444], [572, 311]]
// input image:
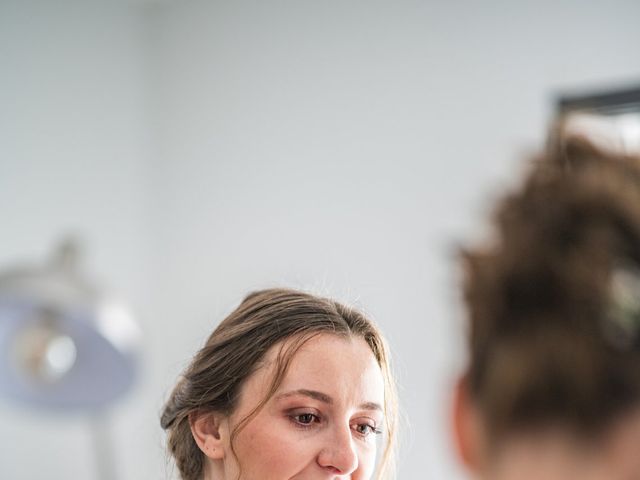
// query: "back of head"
[[554, 303]]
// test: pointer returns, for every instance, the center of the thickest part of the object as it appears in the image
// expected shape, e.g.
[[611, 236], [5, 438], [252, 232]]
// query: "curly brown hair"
[[553, 336]]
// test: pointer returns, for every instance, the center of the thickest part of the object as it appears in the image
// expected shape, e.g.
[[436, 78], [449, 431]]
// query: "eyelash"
[[296, 419]]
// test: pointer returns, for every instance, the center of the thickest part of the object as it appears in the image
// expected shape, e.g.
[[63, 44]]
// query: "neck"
[[550, 456]]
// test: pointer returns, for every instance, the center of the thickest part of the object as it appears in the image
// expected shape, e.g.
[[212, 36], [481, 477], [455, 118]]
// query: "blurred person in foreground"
[[552, 389], [288, 386]]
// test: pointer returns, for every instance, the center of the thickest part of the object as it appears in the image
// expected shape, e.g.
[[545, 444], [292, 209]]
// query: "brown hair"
[[212, 382], [554, 303]]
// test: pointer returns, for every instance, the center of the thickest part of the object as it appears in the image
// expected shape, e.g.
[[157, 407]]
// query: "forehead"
[[343, 368]]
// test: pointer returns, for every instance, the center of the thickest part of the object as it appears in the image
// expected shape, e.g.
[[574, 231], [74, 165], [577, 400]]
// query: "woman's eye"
[[365, 429], [305, 418]]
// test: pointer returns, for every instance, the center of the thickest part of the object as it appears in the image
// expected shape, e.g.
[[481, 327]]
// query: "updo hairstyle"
[[554, 302]]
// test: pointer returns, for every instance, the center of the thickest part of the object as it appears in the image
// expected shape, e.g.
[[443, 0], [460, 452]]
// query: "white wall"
[[347, 147], [219, 147], [73, 159]]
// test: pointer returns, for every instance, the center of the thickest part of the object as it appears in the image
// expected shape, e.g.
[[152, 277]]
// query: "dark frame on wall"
[[612, 102]]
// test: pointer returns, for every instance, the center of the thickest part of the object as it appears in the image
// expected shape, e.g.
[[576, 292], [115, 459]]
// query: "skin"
[[550, 452], [320, 425]]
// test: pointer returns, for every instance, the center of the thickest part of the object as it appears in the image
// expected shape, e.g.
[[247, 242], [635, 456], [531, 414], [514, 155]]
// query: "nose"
[[339, 454]]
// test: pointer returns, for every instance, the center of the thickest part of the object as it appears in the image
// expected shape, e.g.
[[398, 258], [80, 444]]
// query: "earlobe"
[[467, 428], [208, 430]]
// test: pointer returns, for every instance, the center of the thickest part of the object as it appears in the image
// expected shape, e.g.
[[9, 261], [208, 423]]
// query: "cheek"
[[268, 451], [366, 462]]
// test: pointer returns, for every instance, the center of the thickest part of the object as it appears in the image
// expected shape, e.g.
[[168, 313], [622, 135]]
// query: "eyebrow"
[[324, 398]]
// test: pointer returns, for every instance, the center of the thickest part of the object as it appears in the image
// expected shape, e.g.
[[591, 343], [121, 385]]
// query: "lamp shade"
[[64, 344]]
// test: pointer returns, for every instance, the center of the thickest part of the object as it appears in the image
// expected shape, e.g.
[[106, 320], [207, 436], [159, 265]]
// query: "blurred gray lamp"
[[63, 344]]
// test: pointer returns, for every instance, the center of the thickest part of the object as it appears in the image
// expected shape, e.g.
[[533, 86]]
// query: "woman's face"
[[322, 422]]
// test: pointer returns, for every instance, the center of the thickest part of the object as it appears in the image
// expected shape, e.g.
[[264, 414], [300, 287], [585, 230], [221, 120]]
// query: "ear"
[[468, 428], [209, 431]]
